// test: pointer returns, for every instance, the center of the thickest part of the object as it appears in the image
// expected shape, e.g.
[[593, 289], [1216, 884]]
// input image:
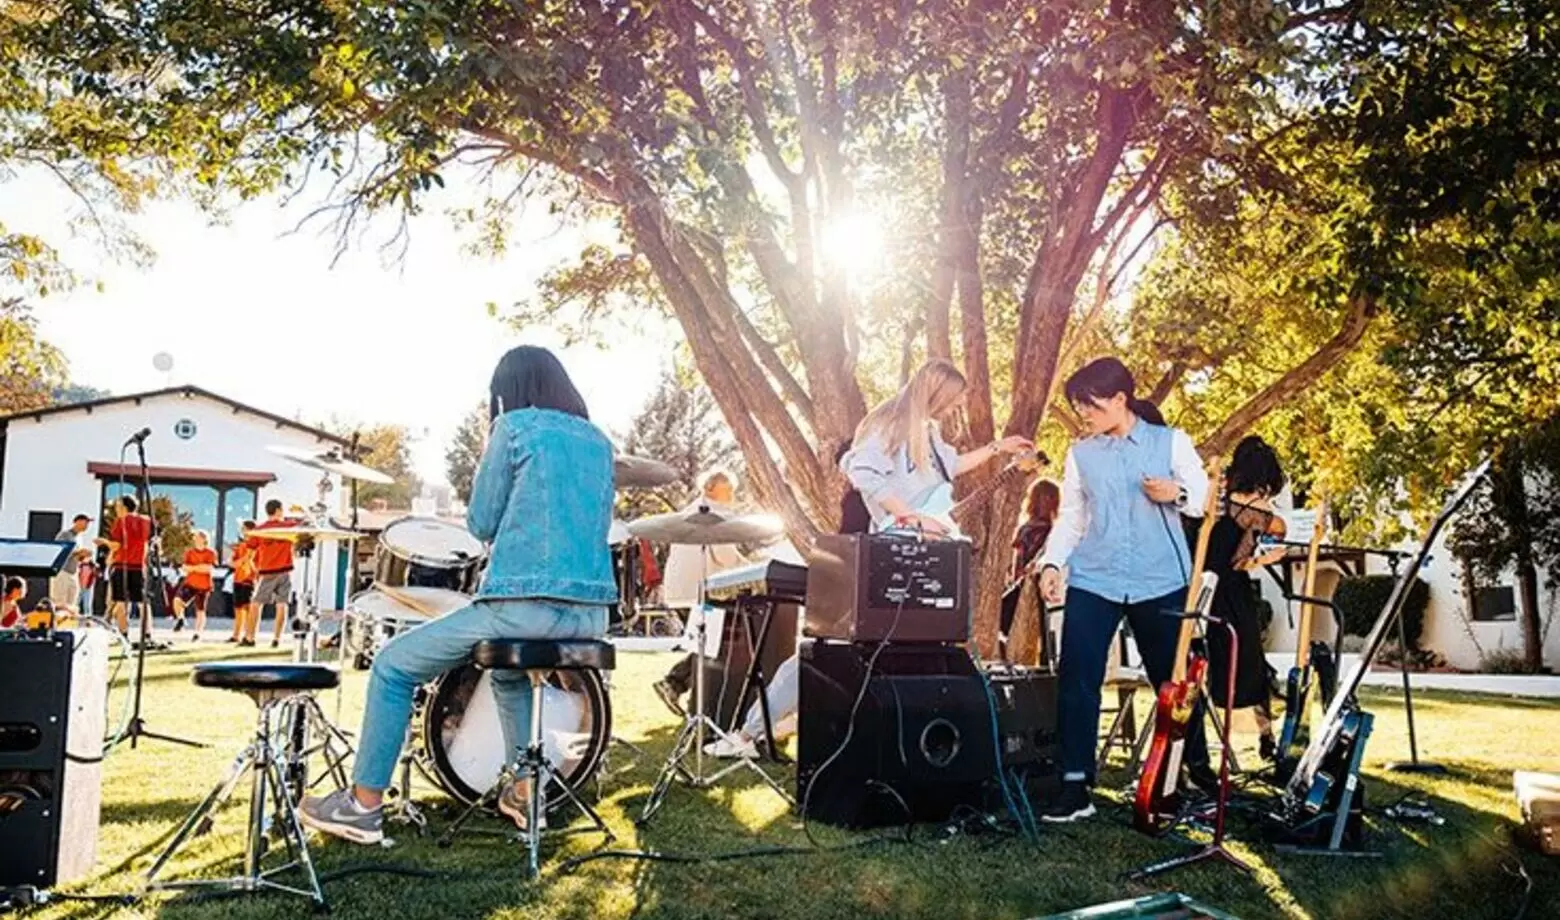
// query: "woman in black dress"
[[1254, 476]]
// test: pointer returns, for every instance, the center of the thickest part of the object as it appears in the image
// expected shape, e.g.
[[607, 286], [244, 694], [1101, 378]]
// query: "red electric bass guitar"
[[1158, 798]]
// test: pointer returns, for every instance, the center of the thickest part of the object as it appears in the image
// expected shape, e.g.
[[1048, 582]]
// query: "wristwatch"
[[1180, 497]]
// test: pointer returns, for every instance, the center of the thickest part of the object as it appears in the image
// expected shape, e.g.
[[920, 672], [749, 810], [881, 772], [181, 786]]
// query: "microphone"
[[139, 436]]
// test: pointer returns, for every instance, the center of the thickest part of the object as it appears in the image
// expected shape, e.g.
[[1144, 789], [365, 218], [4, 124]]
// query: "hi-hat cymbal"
[[332, 461], [629, 472], [705, 526], [302, 531]]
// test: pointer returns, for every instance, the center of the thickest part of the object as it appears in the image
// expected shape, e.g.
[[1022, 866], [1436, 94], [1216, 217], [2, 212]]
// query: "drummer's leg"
[[407, 661]]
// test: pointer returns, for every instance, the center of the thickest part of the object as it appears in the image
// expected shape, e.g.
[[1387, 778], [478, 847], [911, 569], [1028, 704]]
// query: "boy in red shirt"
[[274, 562], [127, 543], [196, 586]]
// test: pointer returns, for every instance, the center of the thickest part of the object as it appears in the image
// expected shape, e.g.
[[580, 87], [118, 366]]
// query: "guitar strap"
[[937, 459]]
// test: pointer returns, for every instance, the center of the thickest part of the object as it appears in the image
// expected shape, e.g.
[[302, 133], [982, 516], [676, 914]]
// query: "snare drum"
[[428, 553], [459, 744], [374, 618]]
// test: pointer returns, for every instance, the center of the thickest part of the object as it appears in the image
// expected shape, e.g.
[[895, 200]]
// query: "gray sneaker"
[[339, 815], [518, 807]]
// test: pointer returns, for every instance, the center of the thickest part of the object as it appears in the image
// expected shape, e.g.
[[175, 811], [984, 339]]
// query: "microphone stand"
[[152, 568]]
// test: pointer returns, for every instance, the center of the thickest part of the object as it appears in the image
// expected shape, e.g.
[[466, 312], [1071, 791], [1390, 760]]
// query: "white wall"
[[46, 459], [1444, 630]]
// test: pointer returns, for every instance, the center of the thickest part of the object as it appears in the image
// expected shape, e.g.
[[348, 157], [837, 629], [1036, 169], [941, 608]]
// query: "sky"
[[254, 311]]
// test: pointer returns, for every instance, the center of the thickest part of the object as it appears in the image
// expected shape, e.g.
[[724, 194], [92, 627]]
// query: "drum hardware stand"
[[136, 728], [695, 723], [264, 760], [1215, 849], [534, 764], [402, 810]]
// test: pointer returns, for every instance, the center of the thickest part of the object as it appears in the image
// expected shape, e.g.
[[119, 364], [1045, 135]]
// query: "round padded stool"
[[282, 689], [538, 658]]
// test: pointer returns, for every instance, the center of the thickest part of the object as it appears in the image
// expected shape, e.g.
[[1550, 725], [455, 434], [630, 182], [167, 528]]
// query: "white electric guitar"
[[941, 507]]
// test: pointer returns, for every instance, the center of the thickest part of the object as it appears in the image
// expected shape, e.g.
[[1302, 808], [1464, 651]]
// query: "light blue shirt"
[[543, 498], [878, 473], [1112, 538]]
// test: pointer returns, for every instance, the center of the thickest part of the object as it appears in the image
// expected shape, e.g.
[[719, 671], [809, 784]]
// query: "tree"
[[30, 368], [745, 150], [387, 448], [679, 425], [72, 393], [1512, 521], [464, 454]]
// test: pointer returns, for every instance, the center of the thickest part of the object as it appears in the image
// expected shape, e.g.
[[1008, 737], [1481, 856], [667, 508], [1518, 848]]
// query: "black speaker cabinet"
[[922, 741], [34, 692]]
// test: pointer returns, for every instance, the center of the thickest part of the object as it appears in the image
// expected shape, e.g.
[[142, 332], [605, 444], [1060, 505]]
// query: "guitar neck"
[[1308, 591], [1183, 645], [1007, 475]]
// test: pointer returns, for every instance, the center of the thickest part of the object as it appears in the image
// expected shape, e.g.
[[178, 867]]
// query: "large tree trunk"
[[1514, 495]]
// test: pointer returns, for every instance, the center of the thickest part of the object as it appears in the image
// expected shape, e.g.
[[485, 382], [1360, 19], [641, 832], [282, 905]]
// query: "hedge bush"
[[1361, 598]]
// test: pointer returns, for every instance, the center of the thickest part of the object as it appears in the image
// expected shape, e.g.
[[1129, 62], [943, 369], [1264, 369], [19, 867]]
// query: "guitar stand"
[[1341, 830], [1215, 849]]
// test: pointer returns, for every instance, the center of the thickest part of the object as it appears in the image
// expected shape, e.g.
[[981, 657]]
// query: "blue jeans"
[[419, 655], [1088, 625]]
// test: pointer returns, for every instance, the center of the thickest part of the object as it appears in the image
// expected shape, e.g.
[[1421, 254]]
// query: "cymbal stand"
[[695, 727]]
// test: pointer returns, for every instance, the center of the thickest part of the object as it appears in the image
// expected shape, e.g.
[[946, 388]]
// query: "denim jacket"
[[543, 499]]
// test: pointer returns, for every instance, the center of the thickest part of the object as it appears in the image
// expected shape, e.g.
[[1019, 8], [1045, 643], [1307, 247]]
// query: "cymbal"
[[704, 526], [294, 534], [629, 472], [332, 461]]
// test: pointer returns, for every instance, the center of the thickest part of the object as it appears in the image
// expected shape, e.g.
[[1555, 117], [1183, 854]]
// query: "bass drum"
[[460, 745]]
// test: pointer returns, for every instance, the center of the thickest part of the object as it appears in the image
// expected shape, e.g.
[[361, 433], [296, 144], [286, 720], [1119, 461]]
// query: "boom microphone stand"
[[152, 568], [1413, 764]]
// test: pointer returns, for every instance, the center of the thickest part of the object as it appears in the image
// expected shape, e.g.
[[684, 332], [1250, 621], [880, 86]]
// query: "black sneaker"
[[1073, 804], [669, 696], [1202, 776], [178, 624]]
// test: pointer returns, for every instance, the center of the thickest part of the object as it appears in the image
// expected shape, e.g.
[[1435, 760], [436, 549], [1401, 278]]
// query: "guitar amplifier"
[[872, 587], [51, 718]]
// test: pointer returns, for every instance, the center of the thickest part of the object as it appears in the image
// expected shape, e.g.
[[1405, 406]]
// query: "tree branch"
[[1361, 310], [770, 358]]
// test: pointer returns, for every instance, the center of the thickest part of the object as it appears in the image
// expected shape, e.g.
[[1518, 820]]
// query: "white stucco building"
[[1455, 627], [206, 453]]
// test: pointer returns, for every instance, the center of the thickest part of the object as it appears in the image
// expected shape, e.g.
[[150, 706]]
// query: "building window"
[[181, 508], [1494, 604]]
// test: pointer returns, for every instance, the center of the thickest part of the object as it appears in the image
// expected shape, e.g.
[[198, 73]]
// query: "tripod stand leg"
[[219, 795], [670, 770]]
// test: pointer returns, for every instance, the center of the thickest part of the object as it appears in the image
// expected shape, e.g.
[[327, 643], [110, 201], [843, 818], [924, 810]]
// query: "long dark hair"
[[529, 377], [1103, 378], [1254, 468]]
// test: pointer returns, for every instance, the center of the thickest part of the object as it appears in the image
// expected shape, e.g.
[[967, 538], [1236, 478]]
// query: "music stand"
[[33, 558]]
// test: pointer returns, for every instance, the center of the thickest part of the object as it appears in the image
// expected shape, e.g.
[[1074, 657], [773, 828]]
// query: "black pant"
[[1089, 625]]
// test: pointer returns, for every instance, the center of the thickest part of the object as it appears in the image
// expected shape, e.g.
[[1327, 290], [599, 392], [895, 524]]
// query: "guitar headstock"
[[1029, 461]]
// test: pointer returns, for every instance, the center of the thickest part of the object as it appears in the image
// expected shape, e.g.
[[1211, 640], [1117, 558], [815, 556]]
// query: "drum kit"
[[424, 568]]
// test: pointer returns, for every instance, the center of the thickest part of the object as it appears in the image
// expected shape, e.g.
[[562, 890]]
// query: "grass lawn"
[[1460, 869]]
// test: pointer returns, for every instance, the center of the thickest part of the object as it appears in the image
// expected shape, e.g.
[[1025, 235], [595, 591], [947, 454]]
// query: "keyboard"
[[772, 579]]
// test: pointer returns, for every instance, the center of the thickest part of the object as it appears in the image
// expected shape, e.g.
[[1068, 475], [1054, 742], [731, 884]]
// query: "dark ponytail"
[[1147, 411], [1103, 378]]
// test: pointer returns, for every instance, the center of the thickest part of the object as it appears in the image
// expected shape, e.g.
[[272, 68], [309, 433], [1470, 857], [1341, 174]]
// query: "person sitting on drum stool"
[[542, 498], [685, 568]]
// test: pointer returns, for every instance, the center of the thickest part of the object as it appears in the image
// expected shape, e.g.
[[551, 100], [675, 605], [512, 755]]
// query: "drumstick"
[[409, 601]]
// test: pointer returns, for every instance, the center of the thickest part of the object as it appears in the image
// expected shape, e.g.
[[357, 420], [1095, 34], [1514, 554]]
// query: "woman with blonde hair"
[[899, 459]]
